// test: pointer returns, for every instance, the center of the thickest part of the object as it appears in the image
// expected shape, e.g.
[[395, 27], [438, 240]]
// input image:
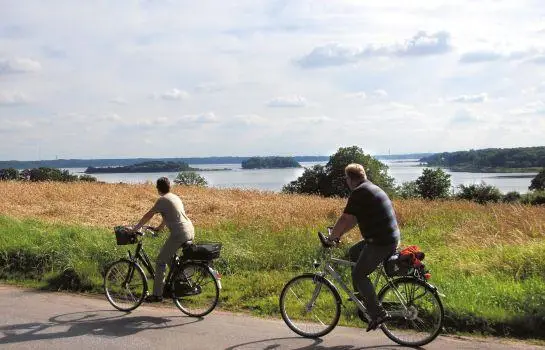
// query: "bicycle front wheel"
[[125, 285], [415, 309], [310, 305], [195, 290]]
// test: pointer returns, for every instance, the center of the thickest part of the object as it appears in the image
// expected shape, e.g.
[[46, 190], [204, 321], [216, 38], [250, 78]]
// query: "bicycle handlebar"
[[147, 229], [326, 243]]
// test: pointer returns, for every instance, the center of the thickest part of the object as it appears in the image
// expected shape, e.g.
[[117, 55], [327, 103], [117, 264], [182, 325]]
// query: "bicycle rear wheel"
[[415, 309], [125, 285], [310, 305], [194, 289]]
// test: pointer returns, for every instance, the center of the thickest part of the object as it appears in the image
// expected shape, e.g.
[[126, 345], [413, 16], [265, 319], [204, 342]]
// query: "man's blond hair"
[[355, 171]]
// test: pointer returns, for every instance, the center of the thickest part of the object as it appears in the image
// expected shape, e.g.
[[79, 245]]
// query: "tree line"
[[490, 159], [328, 181], [43, 174]]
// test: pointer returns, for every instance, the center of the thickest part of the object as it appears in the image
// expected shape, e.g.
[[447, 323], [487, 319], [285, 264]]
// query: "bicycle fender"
[[409, 278]]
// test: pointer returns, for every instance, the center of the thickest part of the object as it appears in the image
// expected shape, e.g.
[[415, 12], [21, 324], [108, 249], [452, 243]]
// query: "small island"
[[270, 163], [144, 167]]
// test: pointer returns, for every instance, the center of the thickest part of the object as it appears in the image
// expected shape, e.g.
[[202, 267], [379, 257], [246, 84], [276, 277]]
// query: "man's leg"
[[353, 255], [172, 244], [370, 257]]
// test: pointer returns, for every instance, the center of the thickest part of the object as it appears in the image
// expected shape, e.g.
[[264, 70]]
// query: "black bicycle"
[[192, 282]]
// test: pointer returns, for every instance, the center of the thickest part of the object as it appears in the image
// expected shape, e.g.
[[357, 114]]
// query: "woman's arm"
[[147, 217]]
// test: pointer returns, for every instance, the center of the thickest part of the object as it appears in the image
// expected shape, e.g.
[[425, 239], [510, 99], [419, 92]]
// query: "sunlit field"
[[486, 259]]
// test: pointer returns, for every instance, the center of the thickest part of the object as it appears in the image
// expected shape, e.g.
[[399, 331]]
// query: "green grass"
[[498, 290]]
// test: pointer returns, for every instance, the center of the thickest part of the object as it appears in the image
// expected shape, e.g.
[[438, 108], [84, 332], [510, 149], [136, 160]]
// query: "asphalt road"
[[31, 319]]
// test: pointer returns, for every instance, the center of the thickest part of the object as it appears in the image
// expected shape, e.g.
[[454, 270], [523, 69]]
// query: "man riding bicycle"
[[181, 229], [370, 208]]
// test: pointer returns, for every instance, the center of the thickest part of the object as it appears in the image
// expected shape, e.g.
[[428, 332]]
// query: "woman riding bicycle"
[[181, 229], [370, 208]]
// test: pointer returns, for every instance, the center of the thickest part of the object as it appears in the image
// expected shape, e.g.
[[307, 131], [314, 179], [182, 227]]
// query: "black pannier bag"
[[397, 265], [202, 251], [124, 235]]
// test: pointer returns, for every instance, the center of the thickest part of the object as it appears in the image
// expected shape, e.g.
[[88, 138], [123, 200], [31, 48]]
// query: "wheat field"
[[107, 205]]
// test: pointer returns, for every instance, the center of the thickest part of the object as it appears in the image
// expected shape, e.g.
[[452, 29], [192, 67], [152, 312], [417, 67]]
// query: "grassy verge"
[[497, 290], [487, 260]]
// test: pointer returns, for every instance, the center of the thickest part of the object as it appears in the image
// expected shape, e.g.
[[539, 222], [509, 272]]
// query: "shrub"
[[511, 197], [481, 193], [190, 178], [9, 174], [534, 198], [408, 190]]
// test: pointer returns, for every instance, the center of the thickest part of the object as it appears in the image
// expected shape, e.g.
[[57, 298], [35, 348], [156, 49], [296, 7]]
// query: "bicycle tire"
[[117, 273], [403, 320], [312, 286], [203, 289]]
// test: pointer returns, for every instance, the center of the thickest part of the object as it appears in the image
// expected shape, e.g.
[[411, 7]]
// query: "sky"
[[176, 78]]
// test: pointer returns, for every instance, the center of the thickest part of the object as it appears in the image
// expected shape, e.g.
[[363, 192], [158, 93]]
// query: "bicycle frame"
[[141, 255], [329, 261]]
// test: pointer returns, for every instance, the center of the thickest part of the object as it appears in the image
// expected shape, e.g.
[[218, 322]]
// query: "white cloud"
[[19, 65], [464, 117], [173, 95], [209, 87], [536, 107], [334, 54], [288, 101], [477, 98], [8, 98], [13, 125], [110, 117], [360, 95], [529, 55], [118, 101], [379, 93]]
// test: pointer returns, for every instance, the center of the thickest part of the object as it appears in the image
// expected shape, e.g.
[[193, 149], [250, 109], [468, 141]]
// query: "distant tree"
[[538, 182], [47, 174], [481, 193], [408, 190], [433, 184], [330, 180], [190, 178], [313, 181], [9, 174], [511, 197]]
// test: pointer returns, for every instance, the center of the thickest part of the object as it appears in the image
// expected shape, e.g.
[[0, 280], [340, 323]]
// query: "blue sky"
[[165, 78]]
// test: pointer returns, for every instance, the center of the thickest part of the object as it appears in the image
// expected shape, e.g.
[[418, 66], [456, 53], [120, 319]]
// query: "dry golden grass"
[[107, 205]]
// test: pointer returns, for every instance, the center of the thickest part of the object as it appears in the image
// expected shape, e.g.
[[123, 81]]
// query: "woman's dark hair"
[[163, 185]]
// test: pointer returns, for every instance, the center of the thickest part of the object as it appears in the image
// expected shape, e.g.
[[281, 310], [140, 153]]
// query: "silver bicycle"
[[310, 304]]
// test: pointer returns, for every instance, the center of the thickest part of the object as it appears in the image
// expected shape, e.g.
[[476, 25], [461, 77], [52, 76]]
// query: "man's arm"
[[161, 226], [343, 225], [147, 217]]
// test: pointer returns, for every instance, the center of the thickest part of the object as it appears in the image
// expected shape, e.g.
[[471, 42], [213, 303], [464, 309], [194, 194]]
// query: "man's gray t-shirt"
[[171, 208]]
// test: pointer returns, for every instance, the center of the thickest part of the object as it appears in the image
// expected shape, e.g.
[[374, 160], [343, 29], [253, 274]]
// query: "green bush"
[[9, 174], [408, 190], [534, 198], [511, 197], [190, 178], [481, 193]]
